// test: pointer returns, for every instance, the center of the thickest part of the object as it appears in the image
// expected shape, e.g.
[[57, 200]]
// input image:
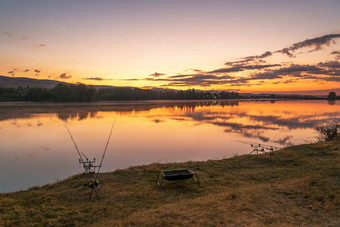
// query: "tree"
[[332, 95]]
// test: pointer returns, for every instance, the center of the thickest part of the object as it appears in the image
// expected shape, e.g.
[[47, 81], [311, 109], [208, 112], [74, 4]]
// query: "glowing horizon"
[[244, 46]]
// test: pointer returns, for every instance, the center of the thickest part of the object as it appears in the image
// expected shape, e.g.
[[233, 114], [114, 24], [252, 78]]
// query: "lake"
[[36, 148]]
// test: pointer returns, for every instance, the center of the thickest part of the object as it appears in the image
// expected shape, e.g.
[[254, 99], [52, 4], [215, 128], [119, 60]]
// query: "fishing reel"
[[87, 160], [88, 165]]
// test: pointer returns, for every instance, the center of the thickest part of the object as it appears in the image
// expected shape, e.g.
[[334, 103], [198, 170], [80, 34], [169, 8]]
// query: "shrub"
[[328, 132]]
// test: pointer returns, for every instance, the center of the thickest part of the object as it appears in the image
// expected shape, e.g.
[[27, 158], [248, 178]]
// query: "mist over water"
[[36, 148]]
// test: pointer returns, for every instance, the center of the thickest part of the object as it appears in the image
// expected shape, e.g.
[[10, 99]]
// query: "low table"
[[172, 175]]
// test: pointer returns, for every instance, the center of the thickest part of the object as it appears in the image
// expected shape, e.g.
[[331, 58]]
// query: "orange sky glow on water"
[[244, 46], [145, 132]]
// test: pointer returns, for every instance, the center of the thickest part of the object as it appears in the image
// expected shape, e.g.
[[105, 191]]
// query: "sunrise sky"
[[246, 45]]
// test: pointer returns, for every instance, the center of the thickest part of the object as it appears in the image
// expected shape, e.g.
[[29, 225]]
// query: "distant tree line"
[[86, 93], [126, 93], [60, 93], [63, 92]]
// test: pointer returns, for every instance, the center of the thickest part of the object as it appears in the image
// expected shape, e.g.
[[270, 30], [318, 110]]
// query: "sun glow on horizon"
[[174, 45]]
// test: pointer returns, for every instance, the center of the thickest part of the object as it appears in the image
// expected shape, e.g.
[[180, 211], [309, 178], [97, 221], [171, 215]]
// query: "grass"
[[244, 190]]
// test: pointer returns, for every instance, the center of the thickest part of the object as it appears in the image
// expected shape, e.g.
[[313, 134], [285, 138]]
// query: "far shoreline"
[[156, 101]]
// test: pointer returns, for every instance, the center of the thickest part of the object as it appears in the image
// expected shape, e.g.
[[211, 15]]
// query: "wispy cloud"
[[9, 35], [64, 76], [156, 74], [316, 44], [242, 68], [323, 71], [265, 76], [41, 45], [96, 78], [337, 54], [326, 71], [295, 70], [330, 64], [12, 72], [36, 71], [248, 59], [256, 71], [12, 36], [204, 80], [18, 37], [195, 70]]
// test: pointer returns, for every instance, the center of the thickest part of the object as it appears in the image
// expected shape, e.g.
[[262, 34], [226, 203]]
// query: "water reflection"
[[36, 149], [331, 102], [264, 119], [251, 120], [81, 111]]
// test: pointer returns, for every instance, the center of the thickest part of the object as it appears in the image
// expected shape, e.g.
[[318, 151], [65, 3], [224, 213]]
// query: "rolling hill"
[[26, 82]]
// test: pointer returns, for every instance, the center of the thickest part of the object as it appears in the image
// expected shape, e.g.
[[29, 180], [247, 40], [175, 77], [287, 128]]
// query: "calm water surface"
[[36, 148]]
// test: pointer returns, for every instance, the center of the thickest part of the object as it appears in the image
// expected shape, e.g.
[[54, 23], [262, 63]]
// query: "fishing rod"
[[107, 143], [75, 145], [81, 154], [253, 144], [89, 166], [257, 147]]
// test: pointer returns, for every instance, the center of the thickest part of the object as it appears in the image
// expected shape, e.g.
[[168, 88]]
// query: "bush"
[[328, 132]]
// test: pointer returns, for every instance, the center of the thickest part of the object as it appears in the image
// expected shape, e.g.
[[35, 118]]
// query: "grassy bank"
[[245, 190]]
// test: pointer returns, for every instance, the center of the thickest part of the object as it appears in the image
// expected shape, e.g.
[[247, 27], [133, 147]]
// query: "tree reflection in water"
[[251, 119]]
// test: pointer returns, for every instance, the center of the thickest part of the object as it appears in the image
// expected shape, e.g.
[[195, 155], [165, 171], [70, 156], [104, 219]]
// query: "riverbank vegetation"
[[328, 132], [64, 92], [244, 190], [86, 93]]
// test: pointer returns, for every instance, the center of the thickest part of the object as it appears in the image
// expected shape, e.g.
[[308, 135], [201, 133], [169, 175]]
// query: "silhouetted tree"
[[13, 94], [38, 94], [332, 95], [74, 93]]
